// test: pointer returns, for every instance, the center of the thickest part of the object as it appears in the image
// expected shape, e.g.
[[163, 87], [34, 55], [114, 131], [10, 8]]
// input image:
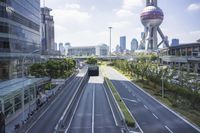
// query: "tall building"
[[134, 44], [117, 50], [47, 29], [122, 43], [19, 35], [175, 42], [152, 17], [62, 48]]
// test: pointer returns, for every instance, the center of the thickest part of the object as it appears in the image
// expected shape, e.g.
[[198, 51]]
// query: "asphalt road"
[[48, 120], [151, 116], [93, 113]]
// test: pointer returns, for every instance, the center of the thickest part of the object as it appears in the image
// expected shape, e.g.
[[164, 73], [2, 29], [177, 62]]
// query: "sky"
[[86, 22]]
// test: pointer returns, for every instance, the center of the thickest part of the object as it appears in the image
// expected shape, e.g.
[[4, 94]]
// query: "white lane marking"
[[58, 96], [146, 107], [166, 107], [155, 116], [93, 109], [130, 100], [169, 129], [110, 106], [74, 111]]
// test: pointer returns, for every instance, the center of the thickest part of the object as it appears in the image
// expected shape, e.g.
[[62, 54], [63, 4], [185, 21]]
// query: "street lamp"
[[23, 60], [110, 28]]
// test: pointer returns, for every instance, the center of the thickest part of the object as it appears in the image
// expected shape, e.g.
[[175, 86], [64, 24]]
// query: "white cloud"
[[124, 13], [93, 8], [65, 16], [121, 25], [195, 33], [127, 7], [194, 7], [130, 4], [72, 6]]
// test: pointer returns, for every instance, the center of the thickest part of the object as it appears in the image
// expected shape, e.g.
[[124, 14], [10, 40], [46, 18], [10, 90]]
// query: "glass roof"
[[10, 86]]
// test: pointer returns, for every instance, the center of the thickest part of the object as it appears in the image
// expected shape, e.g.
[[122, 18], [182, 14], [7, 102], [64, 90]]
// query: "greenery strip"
[[128, 117]]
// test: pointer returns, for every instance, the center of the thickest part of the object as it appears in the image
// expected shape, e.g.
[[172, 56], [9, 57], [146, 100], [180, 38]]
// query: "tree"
[[92, 60], [38, 70]]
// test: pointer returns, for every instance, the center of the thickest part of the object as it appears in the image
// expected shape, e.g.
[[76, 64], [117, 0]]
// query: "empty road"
[[93, 113], [151, 116]]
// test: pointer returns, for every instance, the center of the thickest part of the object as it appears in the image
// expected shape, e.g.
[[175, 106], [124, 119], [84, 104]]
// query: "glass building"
[[19, 35], [134, 44], [122, 43]]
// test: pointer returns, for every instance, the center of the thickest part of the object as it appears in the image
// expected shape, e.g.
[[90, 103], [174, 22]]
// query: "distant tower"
[[47, 31], [123, 43], [152, 17], [134, 44]]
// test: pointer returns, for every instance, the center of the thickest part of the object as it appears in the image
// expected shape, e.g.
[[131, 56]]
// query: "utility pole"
[[110, 28]]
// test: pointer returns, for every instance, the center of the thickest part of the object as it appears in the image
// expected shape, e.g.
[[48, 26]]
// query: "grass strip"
[[128, 117]]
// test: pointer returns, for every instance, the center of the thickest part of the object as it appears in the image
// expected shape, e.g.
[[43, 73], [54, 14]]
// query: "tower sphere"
[[152, 16]]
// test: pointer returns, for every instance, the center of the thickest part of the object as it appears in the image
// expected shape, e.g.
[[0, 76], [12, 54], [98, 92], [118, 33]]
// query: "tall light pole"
[[110, 28]]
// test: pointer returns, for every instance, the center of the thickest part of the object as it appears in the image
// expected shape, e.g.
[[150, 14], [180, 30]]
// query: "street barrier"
[[68, 113]]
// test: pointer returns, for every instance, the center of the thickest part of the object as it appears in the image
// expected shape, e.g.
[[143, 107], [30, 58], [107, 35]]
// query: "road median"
[[128, 118]]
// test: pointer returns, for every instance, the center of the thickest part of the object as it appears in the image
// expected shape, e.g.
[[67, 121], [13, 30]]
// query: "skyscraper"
[[47, 29], [19, 35], [122, 43], [134, 44]]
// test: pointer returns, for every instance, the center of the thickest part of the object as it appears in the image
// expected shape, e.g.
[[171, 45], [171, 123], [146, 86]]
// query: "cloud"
[[127, 7], [69, 15], [195, 33], [130, 4], [72, 6], [121, 25], [194, 7], [124, 13]]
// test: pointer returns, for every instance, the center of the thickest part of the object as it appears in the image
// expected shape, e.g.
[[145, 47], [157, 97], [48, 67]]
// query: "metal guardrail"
[[23, 127], [63, 122]]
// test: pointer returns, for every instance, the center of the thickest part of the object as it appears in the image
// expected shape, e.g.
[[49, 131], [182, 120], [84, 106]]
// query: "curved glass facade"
[[19, 34], [19, 25]]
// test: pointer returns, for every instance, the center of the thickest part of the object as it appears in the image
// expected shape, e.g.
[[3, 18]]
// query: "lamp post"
[[110, 28], [23, 60]]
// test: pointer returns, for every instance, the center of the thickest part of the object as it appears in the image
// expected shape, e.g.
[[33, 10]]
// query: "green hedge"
[[128, 117]]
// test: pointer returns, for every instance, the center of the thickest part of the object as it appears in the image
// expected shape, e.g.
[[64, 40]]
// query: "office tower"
[[47, 29], [134, 44], [122, 43], [19, 35]]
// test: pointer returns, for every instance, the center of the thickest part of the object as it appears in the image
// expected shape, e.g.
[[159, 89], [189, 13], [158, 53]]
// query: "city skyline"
[[85, 23]]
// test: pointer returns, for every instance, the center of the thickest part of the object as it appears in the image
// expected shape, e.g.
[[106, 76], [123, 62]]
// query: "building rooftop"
[[9, 86], [186, 45]]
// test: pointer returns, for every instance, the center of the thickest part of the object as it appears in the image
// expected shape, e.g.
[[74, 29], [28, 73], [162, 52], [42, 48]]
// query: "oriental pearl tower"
[[152, 17]]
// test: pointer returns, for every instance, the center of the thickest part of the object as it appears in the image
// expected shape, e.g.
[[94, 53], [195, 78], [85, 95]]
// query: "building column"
[[2, 106], [196, 67], [188, 67], [13, 104]]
